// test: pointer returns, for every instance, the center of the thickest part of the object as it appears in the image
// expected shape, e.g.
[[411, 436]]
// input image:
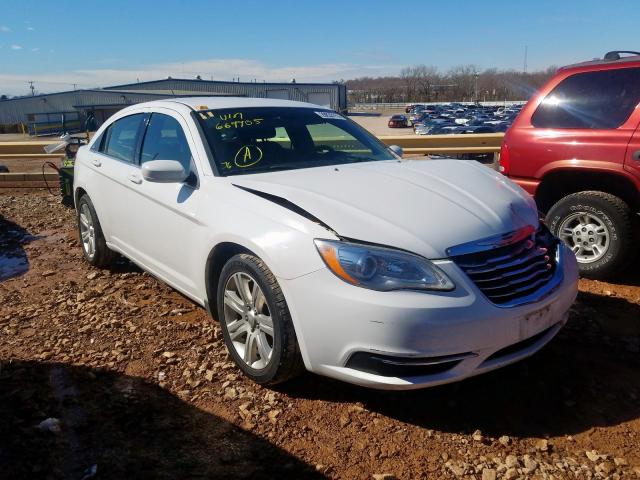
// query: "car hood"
[[423, 206]]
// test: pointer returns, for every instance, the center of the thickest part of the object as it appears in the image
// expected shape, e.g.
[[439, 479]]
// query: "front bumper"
[[336, 322]]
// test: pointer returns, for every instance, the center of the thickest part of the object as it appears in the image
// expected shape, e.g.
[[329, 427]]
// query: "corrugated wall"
[[16, 110]]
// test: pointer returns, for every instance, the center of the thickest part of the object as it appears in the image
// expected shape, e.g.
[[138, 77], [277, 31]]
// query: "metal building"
[[332, 95], [102, 103]]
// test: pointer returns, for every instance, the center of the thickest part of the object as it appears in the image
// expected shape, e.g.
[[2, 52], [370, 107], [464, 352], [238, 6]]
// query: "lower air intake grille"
[[513, 273]]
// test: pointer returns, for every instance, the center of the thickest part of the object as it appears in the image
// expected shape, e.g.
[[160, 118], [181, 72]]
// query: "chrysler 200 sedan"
[[318, 247]]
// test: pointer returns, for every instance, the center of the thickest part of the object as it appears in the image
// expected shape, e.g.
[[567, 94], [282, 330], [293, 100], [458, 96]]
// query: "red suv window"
[[592, 100]]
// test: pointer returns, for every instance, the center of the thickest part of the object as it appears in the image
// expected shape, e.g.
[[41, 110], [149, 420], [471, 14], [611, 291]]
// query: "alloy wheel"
[[87, 231], [248, 320], [586, 235]]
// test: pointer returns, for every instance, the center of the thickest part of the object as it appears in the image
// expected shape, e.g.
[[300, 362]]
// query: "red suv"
[[576, 148]]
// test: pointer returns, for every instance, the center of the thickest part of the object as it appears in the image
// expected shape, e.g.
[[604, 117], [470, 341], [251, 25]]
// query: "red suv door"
[[632, 157], [574, 122]]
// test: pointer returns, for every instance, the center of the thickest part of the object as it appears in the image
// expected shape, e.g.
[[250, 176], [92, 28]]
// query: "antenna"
[[526, 48], [33, 89]]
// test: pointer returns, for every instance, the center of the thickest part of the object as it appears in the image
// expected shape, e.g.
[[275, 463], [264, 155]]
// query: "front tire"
[[599, 228], [92, 241], [256, 323]]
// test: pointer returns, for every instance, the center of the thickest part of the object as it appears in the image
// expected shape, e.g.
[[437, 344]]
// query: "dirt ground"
[[379, 125], [113, 373], [19, 137], [29, 165]]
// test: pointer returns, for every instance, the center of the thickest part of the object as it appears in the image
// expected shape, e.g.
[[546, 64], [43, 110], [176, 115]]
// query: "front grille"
[[513, 273]]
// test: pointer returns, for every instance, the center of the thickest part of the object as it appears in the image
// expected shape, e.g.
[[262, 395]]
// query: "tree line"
[[465, 83]]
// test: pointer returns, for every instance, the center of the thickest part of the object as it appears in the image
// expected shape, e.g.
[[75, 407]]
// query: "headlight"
[[382, 269]]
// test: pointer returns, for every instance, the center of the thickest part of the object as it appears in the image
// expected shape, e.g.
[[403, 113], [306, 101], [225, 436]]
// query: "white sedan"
[[318, 247]]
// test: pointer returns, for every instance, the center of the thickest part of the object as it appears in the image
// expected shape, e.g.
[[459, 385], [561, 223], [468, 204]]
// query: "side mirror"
[[396, 149], [163, 171]]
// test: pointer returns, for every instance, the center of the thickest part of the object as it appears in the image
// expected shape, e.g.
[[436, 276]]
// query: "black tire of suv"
[[618, 218], [286, 360], [103, 256]]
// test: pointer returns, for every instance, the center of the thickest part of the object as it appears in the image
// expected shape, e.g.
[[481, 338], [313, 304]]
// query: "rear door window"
[[592, 100], [121, 138]]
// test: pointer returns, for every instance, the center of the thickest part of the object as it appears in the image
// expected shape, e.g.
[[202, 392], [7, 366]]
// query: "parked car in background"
[[443, 128], [308, 239], [576, 148], [418, 118], [398, 121], [477, 129], [501, 127], [498, 118]]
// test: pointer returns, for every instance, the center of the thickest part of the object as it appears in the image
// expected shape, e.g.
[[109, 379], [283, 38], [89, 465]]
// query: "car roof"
[[214, 103]]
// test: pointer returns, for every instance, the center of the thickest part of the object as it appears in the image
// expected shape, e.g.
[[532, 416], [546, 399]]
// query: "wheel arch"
[[217, 258], [559, 183], [79, 191]]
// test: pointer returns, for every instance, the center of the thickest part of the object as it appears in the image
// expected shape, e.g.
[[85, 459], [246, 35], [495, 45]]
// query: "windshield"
[[261, 139]]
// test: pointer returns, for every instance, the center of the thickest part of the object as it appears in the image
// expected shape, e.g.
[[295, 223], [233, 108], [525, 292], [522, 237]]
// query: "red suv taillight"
[[504, 159]]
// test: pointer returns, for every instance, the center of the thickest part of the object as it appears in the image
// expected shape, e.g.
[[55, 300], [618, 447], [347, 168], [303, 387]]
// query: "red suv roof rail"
[[609, 58], [615, 55]]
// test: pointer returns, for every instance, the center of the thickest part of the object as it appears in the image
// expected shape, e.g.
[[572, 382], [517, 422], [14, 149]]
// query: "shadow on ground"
[[13, 258], [588, 376], [125, 426], [631, 275]]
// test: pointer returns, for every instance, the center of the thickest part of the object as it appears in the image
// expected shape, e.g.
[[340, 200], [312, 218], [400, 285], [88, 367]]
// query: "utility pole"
[[475, 88], [33, 89]]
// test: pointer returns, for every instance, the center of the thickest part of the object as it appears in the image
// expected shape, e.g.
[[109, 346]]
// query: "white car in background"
[[317, 246]]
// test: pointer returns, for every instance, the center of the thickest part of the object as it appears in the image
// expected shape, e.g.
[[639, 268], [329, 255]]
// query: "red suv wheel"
[[599, 228]]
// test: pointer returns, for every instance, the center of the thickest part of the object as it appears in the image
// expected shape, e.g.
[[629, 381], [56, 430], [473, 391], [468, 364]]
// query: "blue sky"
[[91, 43]]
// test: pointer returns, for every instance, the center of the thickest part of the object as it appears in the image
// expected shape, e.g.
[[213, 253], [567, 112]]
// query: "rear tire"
[[92, 241], [256, 323], [599, 227]]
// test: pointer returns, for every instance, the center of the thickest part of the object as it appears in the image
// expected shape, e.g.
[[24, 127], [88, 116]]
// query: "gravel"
[[139, 383]]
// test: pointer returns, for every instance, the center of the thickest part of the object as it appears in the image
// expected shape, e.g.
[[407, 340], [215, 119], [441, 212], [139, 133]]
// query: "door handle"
[[96, 162], [636, 155], [133, 178]]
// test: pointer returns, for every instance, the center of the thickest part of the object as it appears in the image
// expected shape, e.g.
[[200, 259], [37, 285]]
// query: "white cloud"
[[220, 69], [4, 29], [35, 49], [31, 29], [16, 47]]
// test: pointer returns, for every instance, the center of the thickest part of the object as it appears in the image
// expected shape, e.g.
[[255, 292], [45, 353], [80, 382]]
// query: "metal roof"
[[85, 91], [233, 102], [217, 82]]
